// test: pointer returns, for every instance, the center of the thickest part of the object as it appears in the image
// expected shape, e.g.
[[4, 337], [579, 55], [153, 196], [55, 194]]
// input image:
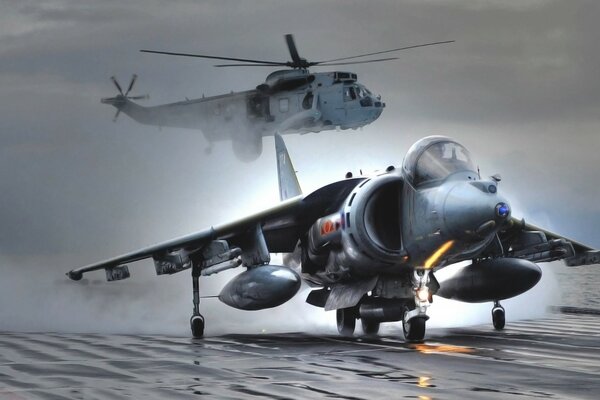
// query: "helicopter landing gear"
[[346, 321], [498, 316], [197, 320]]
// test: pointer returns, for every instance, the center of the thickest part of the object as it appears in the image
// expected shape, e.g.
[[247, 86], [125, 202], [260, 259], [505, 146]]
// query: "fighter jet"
[[369, 247]]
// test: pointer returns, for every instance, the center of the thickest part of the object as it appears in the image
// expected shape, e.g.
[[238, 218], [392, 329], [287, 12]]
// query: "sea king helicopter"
[[293, 100]]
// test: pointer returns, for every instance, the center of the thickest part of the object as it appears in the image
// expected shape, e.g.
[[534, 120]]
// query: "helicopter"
[[292, 100]]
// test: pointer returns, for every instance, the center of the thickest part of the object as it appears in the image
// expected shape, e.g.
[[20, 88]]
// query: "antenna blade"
[[357, 62], [289, 39], [288, 181], [212, 57], [387, 51]]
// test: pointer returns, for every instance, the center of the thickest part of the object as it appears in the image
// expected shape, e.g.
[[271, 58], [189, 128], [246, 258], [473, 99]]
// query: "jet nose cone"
[[473, 210]]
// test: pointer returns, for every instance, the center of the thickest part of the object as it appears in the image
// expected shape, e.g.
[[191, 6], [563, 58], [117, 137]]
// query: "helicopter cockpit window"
[[360, 90], [441, 160], [349, 93], [364, 96]]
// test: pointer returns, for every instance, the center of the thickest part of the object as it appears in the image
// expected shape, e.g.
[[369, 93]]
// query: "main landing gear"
[[498, 316], [197, 321], [370, 328], [412, 311], [346, 321]]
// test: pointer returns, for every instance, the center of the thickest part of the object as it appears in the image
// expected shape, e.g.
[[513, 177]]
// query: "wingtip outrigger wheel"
[[197, 320], [498, 316], [197, 325], [74, 275]]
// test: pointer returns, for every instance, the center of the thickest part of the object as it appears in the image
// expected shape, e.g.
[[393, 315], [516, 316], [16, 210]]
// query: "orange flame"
[[431, 261]]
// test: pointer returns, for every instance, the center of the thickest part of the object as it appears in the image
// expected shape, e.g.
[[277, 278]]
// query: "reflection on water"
[[424, 382], [429, 348]]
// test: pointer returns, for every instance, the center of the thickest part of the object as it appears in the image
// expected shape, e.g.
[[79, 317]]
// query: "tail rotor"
[[121, 99]]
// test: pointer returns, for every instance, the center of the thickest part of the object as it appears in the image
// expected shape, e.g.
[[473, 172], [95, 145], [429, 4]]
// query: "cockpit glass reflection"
[[441, 160]]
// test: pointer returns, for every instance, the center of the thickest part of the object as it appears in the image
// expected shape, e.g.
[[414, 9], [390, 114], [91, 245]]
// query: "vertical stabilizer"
[[288, 181]]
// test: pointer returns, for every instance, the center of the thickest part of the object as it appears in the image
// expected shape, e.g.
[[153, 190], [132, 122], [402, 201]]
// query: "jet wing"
[[523, 240], [282, 227]]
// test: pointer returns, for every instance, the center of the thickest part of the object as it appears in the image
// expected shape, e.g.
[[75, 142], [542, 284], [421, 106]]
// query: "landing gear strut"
[[197, 320], [498, 316]]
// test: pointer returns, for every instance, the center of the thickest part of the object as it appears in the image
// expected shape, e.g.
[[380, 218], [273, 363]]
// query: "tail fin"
[[288, 181]]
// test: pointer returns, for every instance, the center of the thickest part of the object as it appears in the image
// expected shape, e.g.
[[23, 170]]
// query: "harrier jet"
[[369, 247]]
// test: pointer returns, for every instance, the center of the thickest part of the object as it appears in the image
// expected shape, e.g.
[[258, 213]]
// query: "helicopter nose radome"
[[473, 210]]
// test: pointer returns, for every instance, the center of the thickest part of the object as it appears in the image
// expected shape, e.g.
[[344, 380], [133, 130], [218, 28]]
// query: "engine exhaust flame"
[[431, 261]]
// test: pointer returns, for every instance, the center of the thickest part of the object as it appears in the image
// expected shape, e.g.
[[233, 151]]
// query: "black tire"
[[346, 321], [197, 325], [370, 327], [414, 330], [498, 318]]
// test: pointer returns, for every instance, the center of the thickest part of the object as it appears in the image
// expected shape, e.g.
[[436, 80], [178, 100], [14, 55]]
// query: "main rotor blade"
[[133, 78], [386, 51], [355, 62], [114, 80], [289, 39], [213, 57], [251, 65]]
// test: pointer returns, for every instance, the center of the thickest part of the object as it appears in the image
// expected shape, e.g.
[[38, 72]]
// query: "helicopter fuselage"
[[290, 101]]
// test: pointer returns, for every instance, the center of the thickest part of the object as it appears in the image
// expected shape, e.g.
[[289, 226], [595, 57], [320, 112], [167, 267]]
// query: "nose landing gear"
[[413, 322], [414, 328], [498, 316]]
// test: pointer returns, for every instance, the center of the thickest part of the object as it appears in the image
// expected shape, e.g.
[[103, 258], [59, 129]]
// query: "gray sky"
[[519, 88]]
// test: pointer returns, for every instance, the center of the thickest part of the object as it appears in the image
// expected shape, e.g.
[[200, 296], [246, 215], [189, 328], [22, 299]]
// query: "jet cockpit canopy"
[[434, 158]]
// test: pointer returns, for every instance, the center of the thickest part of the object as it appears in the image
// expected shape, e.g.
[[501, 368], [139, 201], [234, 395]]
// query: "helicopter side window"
[[349, 93], [284, 105], [441, 160], [307, 102]]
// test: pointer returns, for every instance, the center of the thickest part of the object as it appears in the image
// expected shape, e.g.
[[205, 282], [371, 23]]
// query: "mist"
[[518, 89]]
